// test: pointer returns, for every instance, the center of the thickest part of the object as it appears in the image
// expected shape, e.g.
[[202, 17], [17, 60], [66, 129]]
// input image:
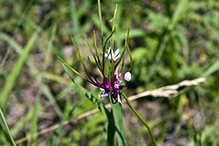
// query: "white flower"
[[127, 76], [104, 94], [115, 55]]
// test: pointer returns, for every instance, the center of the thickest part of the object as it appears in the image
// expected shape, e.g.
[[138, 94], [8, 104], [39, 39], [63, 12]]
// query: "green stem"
[[137, 114]]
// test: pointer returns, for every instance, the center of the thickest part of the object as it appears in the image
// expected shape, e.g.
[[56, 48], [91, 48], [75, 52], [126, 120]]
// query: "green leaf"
[[180, 10], [117, 114], [110, 130]]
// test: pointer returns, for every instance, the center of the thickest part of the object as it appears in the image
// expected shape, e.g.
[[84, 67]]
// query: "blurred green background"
[[170, 41]]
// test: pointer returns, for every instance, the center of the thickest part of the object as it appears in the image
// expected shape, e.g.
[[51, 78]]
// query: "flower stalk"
[[111, 69], [137, 114]]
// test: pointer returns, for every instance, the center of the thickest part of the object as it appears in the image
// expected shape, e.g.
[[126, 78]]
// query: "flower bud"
[[127, 76]]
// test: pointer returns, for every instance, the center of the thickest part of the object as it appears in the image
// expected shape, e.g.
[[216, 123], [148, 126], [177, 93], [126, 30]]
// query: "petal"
[[116, 86], [112, 52], [104, 94], [115, 58], [116, 52], [106, 55], [120, 83], [108, 51], [109, 57]]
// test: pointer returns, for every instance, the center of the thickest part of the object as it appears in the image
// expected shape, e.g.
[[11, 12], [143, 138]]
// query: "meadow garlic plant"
[[110, 63], [111, 68], [111, 82]]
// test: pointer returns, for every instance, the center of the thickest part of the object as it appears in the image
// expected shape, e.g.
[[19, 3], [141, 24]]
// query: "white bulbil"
[[127, 76]]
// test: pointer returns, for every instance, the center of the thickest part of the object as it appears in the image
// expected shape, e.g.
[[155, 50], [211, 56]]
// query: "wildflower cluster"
[[116, 84], [109, 68]]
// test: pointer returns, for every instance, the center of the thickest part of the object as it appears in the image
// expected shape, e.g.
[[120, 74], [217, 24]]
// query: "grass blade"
[[7, 61], [74, 19], [214, 67], [8, 85], [33, 128], [52, 100], [48, 52], [55, 135], [6, 126]]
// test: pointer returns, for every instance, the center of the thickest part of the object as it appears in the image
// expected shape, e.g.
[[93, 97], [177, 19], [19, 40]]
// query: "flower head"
[[111, 82]]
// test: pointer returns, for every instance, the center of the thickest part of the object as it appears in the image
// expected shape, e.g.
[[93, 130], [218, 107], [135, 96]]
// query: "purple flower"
[[115, 84], [111, 82]]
